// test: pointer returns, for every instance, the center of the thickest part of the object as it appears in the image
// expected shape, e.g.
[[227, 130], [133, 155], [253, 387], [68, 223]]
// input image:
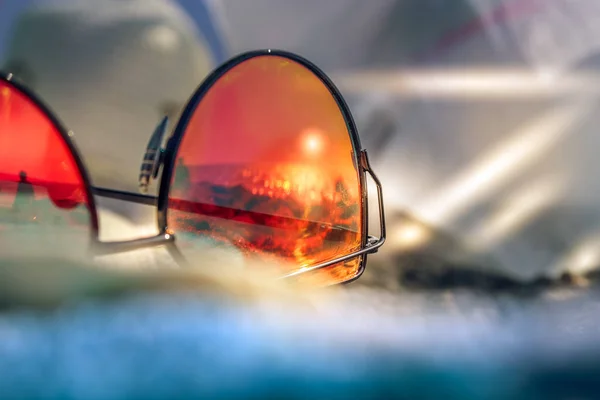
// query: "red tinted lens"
[[267, 164], [40, 182]]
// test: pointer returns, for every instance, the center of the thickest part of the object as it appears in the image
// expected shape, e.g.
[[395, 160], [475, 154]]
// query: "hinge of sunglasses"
[[154, 156], [373, 241]]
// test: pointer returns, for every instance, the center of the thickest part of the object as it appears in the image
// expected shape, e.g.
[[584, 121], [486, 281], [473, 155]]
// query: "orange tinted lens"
[[41, 186], [267, 164]]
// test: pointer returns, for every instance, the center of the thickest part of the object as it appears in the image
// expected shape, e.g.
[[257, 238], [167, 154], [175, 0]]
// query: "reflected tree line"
[[289, 226]]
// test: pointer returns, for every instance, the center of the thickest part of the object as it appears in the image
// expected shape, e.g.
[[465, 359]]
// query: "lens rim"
[[174, 142], [66, 136]]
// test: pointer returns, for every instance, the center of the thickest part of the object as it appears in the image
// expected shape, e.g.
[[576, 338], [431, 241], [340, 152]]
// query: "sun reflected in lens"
[[313, 141]]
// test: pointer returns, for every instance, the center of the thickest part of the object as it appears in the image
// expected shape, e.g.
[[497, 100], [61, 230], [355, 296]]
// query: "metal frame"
[[369, 244]]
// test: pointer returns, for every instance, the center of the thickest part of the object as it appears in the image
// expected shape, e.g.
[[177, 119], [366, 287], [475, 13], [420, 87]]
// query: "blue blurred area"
[[193, 347], [198, 11], [206, 23]]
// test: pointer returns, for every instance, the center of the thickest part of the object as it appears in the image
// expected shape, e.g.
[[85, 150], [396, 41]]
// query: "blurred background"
[[480, 119], [479, 115]]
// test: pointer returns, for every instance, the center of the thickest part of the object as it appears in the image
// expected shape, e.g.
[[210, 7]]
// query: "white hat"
[[110, 69]]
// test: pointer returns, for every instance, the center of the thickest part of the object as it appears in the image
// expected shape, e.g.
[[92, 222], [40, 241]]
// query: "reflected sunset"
[[267, 163]]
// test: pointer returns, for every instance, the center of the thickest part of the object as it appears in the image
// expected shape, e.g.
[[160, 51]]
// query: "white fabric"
[[110, 70], [494, 107]]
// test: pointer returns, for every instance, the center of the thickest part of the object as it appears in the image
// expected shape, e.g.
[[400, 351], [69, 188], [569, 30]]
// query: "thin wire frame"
[[369, 244]]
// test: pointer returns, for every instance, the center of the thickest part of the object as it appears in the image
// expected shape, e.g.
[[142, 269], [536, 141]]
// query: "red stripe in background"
[[501, 14]]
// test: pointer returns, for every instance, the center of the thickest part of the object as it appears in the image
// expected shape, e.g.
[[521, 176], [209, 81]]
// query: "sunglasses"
[[265, 158]]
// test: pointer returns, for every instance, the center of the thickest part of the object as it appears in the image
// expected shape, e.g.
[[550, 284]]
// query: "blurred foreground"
[[280, 344]]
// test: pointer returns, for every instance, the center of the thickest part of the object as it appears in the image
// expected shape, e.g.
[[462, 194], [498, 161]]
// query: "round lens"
[[267, 165], [43, 197]]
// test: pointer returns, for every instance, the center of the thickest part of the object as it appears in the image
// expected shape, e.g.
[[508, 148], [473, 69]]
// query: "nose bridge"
[[153, 157]]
